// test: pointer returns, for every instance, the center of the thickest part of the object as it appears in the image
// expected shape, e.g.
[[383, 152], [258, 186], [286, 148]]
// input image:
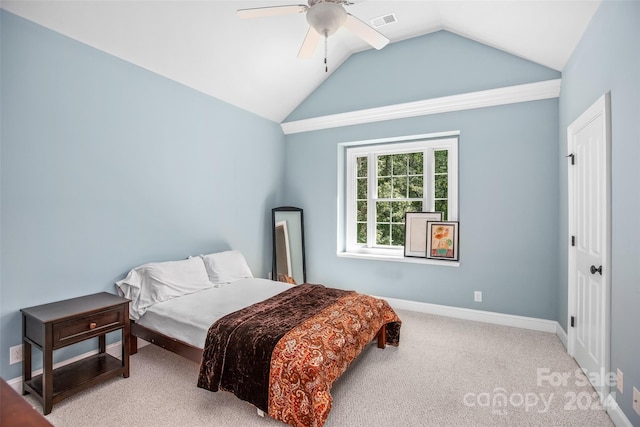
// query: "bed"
[[275, 345]]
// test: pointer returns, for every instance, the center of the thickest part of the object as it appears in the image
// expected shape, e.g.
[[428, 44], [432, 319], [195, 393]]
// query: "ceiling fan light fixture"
[[326, 17]]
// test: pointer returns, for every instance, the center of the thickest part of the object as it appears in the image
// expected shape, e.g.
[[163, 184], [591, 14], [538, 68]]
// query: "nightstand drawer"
[[79, 329]]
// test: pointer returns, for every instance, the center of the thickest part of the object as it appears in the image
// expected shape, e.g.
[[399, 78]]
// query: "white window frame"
[[347, 154]]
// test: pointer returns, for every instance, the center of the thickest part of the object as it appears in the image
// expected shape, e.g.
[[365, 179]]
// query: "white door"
[[588, 140]]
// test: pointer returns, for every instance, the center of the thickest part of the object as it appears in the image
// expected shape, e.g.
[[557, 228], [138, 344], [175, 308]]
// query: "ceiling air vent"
[[384, 20]]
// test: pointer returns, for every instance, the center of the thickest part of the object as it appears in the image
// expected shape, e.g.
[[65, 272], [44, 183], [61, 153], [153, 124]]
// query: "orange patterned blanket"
[[283, 354]]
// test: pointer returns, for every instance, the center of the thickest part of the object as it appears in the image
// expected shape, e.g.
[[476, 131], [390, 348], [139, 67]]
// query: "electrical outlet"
[[15, 354], [636, 400], [477, 296], [620, 381]]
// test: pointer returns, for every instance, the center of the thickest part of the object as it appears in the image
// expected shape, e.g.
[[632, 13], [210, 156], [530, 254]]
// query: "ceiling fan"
[[325, 17]]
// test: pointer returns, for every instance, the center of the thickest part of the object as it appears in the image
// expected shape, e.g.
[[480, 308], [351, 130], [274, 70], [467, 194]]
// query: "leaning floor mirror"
[[288, 245]]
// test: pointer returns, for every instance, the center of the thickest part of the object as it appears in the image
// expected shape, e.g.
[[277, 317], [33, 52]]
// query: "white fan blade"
[[309, 44], [365, 32], [260, 12]]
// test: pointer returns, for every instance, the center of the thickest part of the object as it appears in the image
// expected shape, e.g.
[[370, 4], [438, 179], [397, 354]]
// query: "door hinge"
[[573, 321], [573, 240], [573, 158]]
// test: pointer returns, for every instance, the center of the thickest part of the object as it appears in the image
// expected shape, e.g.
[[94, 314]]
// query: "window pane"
[[441, 163], [399, 164], [383, 235], [442, 206], [362, 211], [384, 165], [362, 188], [383, 212], [399, 187], [397, 234], [416, 187], [384, 188], [362, 233], [441, 184], [416, 163], [398, 210], [361, 163]]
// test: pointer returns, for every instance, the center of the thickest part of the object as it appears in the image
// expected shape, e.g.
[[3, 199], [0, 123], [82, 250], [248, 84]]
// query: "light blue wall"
[[607, 59], [106, 166], [508, 177], [438, 64]]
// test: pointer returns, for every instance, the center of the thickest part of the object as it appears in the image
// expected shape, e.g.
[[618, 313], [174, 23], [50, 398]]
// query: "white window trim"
[[398, 258], [448, 140]]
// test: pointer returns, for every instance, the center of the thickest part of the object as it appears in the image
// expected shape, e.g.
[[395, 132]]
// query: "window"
[[383, 180]]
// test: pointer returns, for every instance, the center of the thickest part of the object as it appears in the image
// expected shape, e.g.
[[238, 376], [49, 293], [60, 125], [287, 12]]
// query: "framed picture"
[[442, 240], [415, 232]]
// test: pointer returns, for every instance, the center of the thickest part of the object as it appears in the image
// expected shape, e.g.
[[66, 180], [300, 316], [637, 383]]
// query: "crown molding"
[[486, 98]]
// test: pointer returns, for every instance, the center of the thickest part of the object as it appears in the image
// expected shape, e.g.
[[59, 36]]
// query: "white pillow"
[[226, 267], [156, 282]]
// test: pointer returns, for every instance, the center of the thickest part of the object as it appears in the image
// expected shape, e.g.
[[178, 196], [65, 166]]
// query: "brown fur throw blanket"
[[284, 353]]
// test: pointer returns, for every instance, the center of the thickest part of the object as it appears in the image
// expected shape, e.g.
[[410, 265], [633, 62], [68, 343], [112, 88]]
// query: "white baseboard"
[[523, 322], [617, 416], [615, 413], [114, 349], [515, 321], [562, 335]]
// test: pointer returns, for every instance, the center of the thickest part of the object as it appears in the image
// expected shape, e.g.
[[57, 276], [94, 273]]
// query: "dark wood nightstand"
[[59, 324]]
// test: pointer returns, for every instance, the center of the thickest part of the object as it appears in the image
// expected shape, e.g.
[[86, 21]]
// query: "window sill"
[[411, 260]]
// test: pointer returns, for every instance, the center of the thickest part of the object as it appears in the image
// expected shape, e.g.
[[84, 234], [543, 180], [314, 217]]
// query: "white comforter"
[[189, 317]]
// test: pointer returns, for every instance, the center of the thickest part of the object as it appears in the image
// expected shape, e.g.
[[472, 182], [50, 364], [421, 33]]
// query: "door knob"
[[595, 270]]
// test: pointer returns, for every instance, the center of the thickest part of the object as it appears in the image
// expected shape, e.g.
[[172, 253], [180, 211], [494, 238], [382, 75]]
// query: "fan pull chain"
[[326, 38]]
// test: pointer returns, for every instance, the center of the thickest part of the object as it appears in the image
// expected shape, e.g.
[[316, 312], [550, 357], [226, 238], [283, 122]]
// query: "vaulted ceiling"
[[253, 63]]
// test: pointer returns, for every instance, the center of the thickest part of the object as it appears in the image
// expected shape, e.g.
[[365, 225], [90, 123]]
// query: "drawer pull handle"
[[92, 325]]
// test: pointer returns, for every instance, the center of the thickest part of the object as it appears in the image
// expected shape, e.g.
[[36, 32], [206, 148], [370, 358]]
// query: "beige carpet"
[[446, 372]]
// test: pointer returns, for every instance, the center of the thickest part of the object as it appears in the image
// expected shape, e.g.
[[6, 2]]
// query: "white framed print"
[[415, 232]]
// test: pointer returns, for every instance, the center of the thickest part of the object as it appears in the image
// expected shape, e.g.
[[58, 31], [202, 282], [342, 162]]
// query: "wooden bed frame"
[[191, 352], [173, 345]]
